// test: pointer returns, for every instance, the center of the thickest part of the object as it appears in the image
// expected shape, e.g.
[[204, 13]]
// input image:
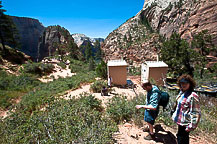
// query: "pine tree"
[[91, 64], [74, 51], [8, 31], [101, 70], [98, 50], [178, 55], [88, 51], [202, 42]]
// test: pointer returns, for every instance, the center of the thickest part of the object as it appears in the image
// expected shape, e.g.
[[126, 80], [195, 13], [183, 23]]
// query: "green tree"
[[101, 70], [202, 42], [178, 55], [98, 50], [125, 38], [8, 31], [91, 64], [130, 38], [74, 51], [88, 51]]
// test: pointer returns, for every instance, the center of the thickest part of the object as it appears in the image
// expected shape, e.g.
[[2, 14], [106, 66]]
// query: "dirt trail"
[[131, 134], [57, 72], [86, 89]]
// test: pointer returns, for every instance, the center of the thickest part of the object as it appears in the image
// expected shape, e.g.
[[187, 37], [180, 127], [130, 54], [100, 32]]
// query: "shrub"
[[24, 82], [97, 86], [62, 65], [38, 68], [46, 68], [120, 109], [78, 66], [12, 87], [71, 121], [134, 71]]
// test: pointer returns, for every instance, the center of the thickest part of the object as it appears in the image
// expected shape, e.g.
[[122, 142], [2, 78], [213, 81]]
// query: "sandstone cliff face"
[[29, 31], [55, 40], [135, 41], [203, 16], [187, 17]]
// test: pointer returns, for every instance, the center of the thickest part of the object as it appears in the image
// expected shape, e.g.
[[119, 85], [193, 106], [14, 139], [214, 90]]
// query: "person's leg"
[[182, 135], [151, 135], [150, 128]]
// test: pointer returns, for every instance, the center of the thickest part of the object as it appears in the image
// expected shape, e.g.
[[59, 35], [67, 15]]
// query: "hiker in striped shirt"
[[187, 110]]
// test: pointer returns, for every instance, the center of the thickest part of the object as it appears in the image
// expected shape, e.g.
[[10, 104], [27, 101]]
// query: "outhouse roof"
[[117, 63], [156, 64]]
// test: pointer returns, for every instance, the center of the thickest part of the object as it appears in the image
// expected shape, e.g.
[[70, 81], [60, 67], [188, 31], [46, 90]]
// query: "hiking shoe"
[[146, 129], [149, 137]]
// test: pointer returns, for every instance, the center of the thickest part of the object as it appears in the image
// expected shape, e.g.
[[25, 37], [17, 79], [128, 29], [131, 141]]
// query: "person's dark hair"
[[188, 79], [146, 84]]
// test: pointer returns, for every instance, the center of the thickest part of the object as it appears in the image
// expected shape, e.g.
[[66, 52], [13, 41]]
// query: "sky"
[[94, 18]]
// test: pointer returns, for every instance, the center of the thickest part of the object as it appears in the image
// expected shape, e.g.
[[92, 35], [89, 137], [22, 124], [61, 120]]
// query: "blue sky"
[[94, 18]]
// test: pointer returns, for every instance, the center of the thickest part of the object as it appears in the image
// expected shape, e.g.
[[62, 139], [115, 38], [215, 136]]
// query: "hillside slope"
[[138, 38]]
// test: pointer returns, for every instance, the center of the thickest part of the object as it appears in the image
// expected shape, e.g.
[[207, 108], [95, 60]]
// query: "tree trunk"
[[3, 42], [201, 73]]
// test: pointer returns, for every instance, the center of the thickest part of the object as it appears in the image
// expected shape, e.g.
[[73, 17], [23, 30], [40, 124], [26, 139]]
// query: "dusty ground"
[[58, 72], [3, 113], [116, 90]]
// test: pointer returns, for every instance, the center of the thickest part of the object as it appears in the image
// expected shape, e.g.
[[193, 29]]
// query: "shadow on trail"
[[163, 136]]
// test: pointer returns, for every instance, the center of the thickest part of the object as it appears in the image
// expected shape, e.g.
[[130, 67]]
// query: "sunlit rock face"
[[79, 39], [137, 39], [53, 41]]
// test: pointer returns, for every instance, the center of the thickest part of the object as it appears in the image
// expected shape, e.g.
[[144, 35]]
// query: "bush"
[[78, 66], [120, 109], [133, 71], [62, 65], [13, 87], [46, 68], [97, 86], [24, 82], [38, 68], [63, 121]]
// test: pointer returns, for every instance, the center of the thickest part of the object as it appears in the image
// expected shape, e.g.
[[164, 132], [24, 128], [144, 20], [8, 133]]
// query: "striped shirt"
[[187, 111]]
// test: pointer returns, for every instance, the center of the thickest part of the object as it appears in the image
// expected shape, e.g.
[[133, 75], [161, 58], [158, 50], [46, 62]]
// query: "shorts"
[[150, 116]]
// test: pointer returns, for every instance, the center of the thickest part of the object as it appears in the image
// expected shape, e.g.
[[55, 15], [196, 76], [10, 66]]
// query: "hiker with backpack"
[[187, 109], [151, 108]]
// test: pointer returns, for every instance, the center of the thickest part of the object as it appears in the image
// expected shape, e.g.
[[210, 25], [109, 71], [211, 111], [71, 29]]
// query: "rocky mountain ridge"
[[29, 30], [38, 41], [138, 38], [80, 38], [56, 40]]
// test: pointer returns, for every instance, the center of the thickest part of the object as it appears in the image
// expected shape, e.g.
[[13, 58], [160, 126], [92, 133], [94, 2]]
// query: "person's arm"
[[145, 107], [174, 106], [195, 113], [154, 99]]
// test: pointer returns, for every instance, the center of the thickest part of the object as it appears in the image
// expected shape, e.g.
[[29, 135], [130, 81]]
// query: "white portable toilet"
[[155, 70]]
